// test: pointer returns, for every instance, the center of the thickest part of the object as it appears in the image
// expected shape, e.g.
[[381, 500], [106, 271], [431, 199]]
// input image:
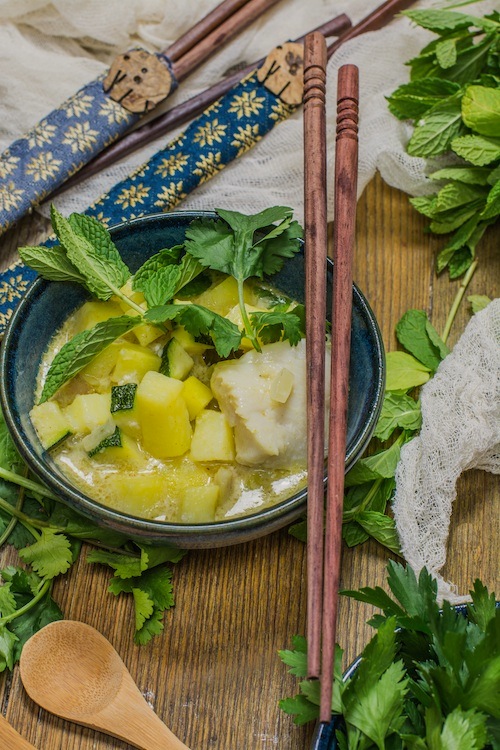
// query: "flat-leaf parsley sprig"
[[428, 680]]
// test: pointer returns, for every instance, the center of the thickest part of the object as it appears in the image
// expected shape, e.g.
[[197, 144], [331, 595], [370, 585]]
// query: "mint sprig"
[[453, 99]]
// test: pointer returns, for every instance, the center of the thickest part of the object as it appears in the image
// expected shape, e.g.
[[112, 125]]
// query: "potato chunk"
[[197, 395], [133, 362], [163, 416], [213, 438], [198, 504], [88, 411]]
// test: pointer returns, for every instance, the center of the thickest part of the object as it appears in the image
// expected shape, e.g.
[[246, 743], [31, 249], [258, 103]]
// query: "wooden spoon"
[[73, 671], [10, 739]]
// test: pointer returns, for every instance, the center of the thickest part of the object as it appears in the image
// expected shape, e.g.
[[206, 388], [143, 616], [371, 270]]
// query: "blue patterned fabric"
[[61, 144], [222, 133]]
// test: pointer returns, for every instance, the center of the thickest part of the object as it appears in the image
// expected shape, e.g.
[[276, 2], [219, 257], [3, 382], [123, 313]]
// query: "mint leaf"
[[435, 132], [50, 555], [82, 349], [447, 20], [381, 527], [478, 302], [51, 263], [469, 175], [157, 278], [492, 208], [190, 269], [477, 149], [404, 372], [381, 465], [90, 249], [481, 110], [456, 194], [446, 53], [413, 333], [397, 411], [411, 100]]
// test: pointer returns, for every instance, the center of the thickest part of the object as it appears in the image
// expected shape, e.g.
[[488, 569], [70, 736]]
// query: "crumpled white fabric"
[[49, 49], [460, 431]]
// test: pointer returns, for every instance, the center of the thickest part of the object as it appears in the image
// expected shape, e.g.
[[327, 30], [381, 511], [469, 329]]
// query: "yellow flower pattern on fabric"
[[80, 137], [78, 105], [170, 196], [43, 166], [246, 104], [8, 165], [212, 132], [43, 134], [245, 138], [281, 111], [133, 195], [10, 196], [174, 163], [208, 166], [13, 288], [112, 111]]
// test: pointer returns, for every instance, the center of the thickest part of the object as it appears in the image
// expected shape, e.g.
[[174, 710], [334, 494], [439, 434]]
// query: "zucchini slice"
[[123, 397], [175, 361]]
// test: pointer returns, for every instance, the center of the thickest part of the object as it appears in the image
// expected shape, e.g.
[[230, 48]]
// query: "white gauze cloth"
[[460, 431]]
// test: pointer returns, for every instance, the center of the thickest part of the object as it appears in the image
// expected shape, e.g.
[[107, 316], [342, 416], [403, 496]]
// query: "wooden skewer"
[[210, 43], [200, 30], [176, 116], [315, 295], [346, 180]]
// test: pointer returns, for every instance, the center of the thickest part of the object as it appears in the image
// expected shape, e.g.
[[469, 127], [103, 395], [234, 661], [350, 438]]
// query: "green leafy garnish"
[[429, 678], [244, 247], [453, 98]]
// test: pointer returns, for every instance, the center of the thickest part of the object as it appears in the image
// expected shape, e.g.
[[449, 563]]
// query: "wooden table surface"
[[214, 676]]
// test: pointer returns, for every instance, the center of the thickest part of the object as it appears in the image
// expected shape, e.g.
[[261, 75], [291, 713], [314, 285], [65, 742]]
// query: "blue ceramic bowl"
[[48, 304]]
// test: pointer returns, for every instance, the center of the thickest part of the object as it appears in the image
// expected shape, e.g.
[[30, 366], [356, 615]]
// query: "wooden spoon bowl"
[[73, 671]]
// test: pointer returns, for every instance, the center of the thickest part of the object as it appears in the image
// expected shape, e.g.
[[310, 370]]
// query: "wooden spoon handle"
[[12, 740]]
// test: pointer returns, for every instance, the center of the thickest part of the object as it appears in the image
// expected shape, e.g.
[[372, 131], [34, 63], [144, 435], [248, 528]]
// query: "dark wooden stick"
[[221, 35], [315, 295], [200, 30], [176, 116], [372, 22], [346, 180]]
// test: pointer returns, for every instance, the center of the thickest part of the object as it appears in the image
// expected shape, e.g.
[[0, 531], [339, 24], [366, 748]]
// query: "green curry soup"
[[157, 426]]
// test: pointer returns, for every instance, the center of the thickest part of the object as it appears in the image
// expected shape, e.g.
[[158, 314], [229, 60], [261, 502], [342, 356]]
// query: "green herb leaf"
[[492, 208], [381, 465], [478, 302], [90, 249], [469, 175], [380, 527], [435, 132], [448, 20], [481, 110], [198, 320], [157, 278], [50, 555], [51, 263], [8, 641], [144, 607], [125, 566], [397, 411], [477, 149], [446, 52], [404, 372], [82, 349], [7, 600], [277, 326], [411, 100], [417, 335]]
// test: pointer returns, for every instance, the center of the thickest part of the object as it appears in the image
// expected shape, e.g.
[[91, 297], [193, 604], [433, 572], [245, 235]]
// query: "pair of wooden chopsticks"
[[324, 539], [215, 29], [177, 116]]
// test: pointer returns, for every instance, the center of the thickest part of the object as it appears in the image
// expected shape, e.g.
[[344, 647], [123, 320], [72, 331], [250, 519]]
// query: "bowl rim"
[[127, 523]]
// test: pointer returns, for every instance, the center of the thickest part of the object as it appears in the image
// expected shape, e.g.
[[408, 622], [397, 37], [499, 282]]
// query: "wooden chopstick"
[[372, 22], [316, 243], [346, 180], [176, 116], [220, 35], [200, 30]]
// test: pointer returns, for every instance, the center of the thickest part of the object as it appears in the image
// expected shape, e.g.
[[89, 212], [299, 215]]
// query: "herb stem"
[[19, 612], [28, 522], [458, 299], [244, 316], [350, 515], [28, 484]]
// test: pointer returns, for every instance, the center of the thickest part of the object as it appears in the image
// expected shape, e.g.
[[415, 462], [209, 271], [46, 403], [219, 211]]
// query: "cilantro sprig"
[[429, 678], [453, 98]]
